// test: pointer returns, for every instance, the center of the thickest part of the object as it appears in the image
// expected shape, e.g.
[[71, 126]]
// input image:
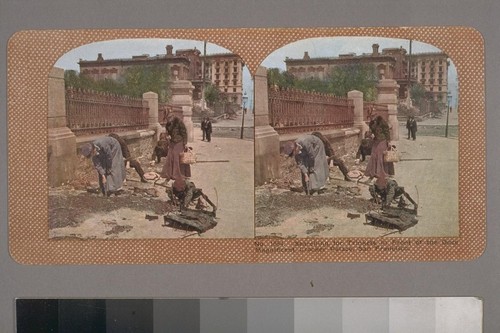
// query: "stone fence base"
[[140, 142], [343, 141]]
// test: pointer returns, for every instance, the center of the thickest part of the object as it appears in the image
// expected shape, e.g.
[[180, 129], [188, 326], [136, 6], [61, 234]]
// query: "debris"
[[353, 216], [151, 191], [118, 228], [189, 219], [151, 217], [392, 218]]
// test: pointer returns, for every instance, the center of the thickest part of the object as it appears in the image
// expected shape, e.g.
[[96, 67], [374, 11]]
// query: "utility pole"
[[244, 100], [203, 76], [409, 78]]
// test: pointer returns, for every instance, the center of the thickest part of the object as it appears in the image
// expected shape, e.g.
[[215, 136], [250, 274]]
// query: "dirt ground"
[[282, 200]]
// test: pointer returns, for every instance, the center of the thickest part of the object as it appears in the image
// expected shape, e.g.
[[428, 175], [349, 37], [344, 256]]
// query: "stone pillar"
[[182, 96], [388, 94], [61, 153], [267, 143], [151, 99], [357, 98]]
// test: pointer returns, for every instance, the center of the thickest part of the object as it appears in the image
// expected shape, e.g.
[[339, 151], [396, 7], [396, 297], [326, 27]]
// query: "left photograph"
[[150, 138]]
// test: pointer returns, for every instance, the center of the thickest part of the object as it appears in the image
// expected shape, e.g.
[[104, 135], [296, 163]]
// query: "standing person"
[[309, 153], [411, 125], [376, 166], [107, 157], [133, 162], [177, 133], [331, 155], [206, 128]]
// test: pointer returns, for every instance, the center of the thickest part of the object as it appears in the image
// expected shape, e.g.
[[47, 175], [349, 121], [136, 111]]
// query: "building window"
[[234, 89]]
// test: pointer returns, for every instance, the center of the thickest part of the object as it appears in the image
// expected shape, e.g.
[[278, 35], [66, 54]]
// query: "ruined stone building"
[[430, 69], [223, 70]]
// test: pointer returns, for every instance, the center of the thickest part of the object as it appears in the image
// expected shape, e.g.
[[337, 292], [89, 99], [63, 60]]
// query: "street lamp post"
[[244, 101], [448, 106]]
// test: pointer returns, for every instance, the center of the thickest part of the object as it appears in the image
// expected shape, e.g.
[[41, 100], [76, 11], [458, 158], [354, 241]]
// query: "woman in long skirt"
[[173, 169]]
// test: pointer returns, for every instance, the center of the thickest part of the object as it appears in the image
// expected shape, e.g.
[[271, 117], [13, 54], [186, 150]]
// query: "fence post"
[[267, 143], [357, 98], [388, 94], [61, 153], [182, 96], [151, 99]]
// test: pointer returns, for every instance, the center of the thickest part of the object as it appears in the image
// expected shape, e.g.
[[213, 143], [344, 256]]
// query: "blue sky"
[[316, 47]]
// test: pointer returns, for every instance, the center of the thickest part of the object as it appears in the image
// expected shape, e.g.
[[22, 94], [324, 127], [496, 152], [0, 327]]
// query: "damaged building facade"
[[223, 70], [429, 69]]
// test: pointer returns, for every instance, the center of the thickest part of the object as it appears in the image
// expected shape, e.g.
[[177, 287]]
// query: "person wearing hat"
[[186, 191], [411, 126], [106, 155], [309, 153]]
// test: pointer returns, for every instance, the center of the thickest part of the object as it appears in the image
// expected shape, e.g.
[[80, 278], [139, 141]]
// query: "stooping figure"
[[131, 161], [331, 157], [309, 153], [187, 192], [106, 155]]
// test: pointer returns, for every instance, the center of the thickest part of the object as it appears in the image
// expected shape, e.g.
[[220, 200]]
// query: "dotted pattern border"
[[31, 55]]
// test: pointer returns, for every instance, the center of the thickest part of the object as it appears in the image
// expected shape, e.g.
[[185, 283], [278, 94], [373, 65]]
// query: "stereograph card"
[[291, 166]]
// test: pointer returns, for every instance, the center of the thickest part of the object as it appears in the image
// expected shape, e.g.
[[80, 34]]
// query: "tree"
[[141, 79], [212, 94], [362, 77], [418, 95], [276, 78], [137, 80]]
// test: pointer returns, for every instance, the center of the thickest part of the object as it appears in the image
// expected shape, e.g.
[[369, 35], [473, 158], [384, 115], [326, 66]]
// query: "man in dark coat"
[[206, 128], [411, 125]]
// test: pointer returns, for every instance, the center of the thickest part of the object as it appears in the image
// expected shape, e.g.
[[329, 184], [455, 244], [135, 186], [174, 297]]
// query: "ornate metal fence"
[[293, 111], [90, 112]]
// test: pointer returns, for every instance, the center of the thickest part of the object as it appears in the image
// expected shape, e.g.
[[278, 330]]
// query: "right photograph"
[[356, 137]]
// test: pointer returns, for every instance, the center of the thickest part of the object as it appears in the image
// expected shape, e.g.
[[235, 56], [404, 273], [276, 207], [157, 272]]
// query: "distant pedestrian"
[[411, 125], [309, 154], [331, 157], [131, 161], [177, 135], [206, 128], [107, 157]]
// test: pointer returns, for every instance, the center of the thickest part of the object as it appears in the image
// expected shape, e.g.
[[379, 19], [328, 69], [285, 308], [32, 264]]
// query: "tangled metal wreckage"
[[400, 217]]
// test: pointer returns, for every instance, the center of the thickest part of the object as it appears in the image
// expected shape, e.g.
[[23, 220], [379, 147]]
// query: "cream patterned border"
[[31, 55]]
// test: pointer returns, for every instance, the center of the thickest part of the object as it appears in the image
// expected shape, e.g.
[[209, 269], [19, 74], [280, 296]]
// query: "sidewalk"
[[228, 181]]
